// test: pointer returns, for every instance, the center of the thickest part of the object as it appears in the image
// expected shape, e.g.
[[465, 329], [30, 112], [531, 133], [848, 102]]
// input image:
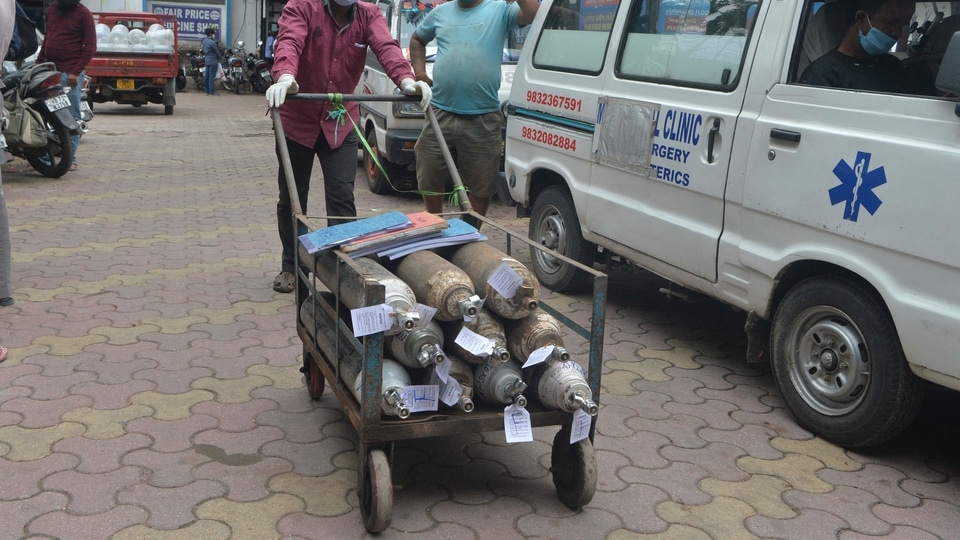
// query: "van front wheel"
[[554, 225], [839, 365]]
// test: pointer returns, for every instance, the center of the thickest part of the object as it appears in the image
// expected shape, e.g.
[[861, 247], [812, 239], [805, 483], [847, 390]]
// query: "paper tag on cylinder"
[[442, 370], [505, 280], [539, 356], [450, 392], [474, 343], [426, 314], [580, 429], [516, 424], [370, 320], [420, 398]]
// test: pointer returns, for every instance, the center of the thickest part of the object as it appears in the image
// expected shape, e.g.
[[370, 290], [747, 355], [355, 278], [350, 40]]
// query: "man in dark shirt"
[[862, 60], [70, 43]]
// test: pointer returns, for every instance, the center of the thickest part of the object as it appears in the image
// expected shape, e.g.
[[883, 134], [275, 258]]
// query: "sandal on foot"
[[283, 282], [3, 353]]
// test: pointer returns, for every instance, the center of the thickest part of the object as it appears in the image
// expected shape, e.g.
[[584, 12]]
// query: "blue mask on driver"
[[875, 42]]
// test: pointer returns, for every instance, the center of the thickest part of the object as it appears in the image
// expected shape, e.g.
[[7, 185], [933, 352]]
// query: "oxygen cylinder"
[[536, 330], [461, 372], [418, 348], [562, 385], [395, 378], [486, 324], [315, 318], [439, 283], [500, 383], [307, 315], [397, 295], [480, 261]]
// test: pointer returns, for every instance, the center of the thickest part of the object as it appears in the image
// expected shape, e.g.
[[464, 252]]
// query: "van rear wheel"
[[554, 225]]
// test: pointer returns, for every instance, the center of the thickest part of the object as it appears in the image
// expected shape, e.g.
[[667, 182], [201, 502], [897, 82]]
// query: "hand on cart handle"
[[411, 87], [278, 91]]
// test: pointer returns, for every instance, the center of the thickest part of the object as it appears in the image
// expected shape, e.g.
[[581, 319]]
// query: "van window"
[[909, 67], [689, 42], [575, 35]]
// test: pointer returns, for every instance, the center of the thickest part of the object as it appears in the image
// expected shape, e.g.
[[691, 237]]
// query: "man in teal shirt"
[[466, 77]]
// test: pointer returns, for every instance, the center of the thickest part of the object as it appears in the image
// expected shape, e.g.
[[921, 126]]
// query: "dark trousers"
[[339, 167], [210, 76]]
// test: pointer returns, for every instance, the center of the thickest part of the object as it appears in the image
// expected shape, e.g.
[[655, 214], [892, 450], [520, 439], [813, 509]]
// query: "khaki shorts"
[[476, 143]]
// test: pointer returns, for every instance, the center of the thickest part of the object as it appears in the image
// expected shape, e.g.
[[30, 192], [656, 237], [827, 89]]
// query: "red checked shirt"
[[324, 58]]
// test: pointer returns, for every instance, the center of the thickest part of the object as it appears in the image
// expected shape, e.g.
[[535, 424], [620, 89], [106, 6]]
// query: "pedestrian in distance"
[[321, 47], [70, 43], [466, 79], [211, 60], [268, 48]]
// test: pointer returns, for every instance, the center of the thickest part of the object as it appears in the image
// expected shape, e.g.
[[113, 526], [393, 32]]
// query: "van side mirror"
[[948, 77]]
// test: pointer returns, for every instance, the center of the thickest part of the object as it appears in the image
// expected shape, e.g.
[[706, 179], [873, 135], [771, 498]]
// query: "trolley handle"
[[354, 97]]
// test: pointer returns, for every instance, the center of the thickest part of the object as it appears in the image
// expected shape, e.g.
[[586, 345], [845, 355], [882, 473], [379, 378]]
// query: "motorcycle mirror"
[[240, 44]]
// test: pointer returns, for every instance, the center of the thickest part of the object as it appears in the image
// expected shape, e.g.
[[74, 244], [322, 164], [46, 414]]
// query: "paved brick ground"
[[153, 391]]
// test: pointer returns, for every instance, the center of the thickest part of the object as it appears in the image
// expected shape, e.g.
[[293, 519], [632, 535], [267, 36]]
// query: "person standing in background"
[[70, 43], [324, 44], [211, 59], [7, 16], [268, 48], [466, 78]]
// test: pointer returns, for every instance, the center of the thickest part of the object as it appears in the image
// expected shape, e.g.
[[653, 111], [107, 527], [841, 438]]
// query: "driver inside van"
[[863, 61]]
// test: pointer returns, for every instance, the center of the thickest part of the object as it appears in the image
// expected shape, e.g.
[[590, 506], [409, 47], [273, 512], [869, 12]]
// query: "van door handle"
[[714, 130], [785, 135]]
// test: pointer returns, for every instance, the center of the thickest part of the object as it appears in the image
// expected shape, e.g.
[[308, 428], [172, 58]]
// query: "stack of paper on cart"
[[336, 235], [422, 224], [458, 232]]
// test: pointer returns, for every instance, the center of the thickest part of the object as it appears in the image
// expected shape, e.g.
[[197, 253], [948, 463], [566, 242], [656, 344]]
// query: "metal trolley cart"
[[330, 279]]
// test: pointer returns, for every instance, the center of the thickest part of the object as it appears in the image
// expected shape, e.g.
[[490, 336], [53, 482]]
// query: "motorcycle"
[[236, 80], [258, 73], [196, 67], [40, 88], [181, 77], [86, 111]]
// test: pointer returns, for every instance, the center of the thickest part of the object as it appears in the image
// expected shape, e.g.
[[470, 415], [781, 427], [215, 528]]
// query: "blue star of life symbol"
[[856, 186]]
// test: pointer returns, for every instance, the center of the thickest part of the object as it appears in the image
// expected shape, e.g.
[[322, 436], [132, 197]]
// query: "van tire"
[[554, 225], [839, 364], [376, 181]]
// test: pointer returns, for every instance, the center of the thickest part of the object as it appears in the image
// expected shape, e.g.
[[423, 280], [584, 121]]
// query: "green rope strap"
[[339, 112]]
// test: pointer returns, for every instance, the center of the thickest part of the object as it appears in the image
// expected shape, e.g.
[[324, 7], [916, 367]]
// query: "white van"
[[674, 134], [392, 128]]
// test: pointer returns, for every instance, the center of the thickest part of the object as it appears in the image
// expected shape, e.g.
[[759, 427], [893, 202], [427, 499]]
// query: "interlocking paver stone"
[[171, 508], [63, 524], [100, 456]]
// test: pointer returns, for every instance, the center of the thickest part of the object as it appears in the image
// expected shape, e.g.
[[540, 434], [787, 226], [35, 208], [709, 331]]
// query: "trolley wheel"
[[376, 493], [574, 468], [315, 380]]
